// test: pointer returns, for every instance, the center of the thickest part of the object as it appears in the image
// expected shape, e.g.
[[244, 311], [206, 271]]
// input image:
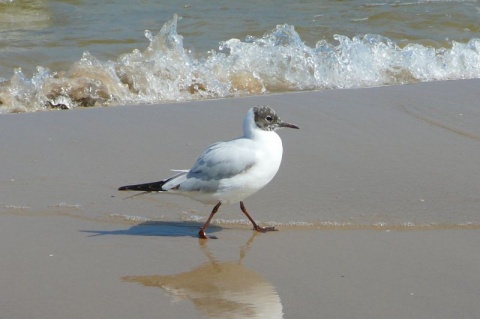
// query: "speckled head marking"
[[267, 119]]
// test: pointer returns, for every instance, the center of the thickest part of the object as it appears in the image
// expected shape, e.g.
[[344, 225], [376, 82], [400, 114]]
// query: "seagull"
[[228, 172]]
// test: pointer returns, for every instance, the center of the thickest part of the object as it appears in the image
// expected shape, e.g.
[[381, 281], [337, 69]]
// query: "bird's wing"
[[219, 161], [224, 160]]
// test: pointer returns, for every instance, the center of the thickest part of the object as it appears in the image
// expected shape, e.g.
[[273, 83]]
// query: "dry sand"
[[383, 184]]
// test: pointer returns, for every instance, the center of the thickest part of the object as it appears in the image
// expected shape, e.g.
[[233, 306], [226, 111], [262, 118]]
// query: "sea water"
[[67, 54]]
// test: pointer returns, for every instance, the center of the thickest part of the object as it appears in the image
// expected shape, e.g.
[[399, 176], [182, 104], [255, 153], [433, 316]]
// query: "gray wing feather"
[[222, 160]]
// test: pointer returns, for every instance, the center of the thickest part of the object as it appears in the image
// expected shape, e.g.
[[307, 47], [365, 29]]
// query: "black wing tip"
[[147, 187]]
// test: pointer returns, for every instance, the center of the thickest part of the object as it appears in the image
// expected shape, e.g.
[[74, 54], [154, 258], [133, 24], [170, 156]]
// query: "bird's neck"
[[270, 139], [250, 129]]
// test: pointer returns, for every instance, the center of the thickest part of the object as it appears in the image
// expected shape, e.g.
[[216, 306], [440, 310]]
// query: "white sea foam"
[[65, 205], [20, 207], [277, 62], [333, 225], [130, 218]]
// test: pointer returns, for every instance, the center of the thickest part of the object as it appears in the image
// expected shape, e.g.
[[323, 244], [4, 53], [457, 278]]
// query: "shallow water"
[[64, 54]]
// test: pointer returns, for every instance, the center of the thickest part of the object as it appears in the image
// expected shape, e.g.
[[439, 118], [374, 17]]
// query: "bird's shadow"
[[158, 228]]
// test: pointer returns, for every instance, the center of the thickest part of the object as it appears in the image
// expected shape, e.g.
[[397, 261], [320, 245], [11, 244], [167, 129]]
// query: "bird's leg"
[[255, 226], [201, 233]]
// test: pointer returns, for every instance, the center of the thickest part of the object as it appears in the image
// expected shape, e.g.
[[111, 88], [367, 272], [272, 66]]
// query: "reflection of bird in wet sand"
[[228, 172], [224, 290]]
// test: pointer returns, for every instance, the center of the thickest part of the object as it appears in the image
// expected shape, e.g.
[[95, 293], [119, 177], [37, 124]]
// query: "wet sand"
[[381, 186]]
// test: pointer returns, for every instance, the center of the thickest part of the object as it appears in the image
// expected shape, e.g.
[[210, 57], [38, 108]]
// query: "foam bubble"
[[277, 62]]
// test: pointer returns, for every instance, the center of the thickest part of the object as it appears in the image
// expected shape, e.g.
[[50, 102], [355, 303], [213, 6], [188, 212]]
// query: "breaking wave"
[[277, 62]]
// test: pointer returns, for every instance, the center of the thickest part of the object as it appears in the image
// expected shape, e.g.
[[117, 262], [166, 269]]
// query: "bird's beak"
[[284, 124]]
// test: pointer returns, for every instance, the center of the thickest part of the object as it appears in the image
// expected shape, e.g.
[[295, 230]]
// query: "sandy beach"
[[377, 205]]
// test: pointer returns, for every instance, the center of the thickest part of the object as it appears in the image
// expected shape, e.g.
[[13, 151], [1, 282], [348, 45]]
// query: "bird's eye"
[[269, 118]]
